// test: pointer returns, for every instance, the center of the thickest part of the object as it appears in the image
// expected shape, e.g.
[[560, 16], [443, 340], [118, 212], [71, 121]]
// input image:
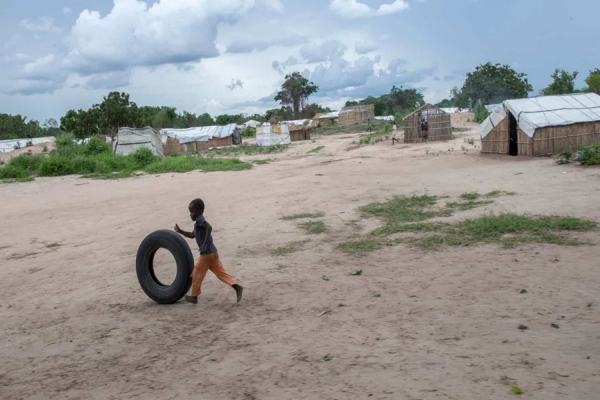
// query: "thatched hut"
[[353, 115], [439, 121], [542, 126]]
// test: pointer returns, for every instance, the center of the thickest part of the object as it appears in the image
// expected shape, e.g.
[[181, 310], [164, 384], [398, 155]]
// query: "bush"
[[65, 140], [143, 157], [26, 162], [13, 172], [565, 156], [96, 146], [589, 155], [387, 128], [481, 113], [248, 132], [55, 166]]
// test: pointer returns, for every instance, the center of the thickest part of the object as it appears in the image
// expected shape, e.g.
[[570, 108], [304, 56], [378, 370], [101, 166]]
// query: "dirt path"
[[416, 325]]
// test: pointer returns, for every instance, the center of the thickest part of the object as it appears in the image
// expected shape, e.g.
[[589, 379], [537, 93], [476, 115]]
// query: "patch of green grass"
[[96, 160], [316, 149], [496, 193], [402, 209], [261, 162], [313, 227], [467, 205], [289, 248], [360, 246], [507, 230], [470, 196], [303, 216], [248, 149]]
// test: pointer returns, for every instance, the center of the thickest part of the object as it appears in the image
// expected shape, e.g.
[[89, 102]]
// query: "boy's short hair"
[[197, 205]]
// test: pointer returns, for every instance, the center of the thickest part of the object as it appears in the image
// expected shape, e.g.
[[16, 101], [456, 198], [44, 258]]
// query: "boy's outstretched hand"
[[178, 229], [189, 235]]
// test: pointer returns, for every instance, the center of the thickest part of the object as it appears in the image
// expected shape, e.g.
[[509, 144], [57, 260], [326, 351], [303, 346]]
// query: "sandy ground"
[[75, 323], [35, 149]]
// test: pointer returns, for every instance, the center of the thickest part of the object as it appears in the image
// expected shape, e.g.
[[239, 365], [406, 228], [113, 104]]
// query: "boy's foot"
[[238, 290], [191, 299]]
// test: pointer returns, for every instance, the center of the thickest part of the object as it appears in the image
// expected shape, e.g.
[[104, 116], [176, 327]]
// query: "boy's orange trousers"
[[209, 262]]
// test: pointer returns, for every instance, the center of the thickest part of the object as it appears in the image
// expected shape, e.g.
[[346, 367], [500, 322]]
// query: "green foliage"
[[593, 81], [289, 248], [248, 149], [313, 227], [96, 146], [470, 196], [492, 83], [589, 155], [565, 156], [248, 132], [95, 159], [398, 102], [360, 246], [226, 119], [563, 82], [446, 103], [303, 216], [17, 127], [481, 113], [316, 149], [295, 92]]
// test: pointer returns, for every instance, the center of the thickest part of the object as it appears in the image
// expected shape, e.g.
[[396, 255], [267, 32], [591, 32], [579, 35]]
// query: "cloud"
[[248, 45], [235, 83], [67, 10], [43, 24], [280, 66], [355, 9], [326, 51], [109, 81], [137, 34], [365, 47]]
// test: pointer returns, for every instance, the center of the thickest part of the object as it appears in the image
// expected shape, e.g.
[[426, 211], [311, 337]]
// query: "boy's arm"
[[189, 235]]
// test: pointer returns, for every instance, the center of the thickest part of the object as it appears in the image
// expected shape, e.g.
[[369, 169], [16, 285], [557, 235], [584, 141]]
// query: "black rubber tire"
[[144, 265]]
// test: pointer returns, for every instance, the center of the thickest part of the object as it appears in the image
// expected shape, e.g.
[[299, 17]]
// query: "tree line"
[[487, 84]]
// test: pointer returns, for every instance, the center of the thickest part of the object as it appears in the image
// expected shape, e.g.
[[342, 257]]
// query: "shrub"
[[248, 132], [565, 156], [26, 162], [589, 155], [13, 172], [96, 146], [29, 143], [387, 128], [56, 166], [481, 113], [143, 157], [65, 140]]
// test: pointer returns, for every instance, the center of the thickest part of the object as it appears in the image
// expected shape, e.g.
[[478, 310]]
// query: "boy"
[[209, 257], [424, 129], [394, 130]]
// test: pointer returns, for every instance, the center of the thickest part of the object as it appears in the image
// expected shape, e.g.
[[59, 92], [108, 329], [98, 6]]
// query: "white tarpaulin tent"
[[266, 137], [9, 145], [202, 134], [540, 112], [385, 118], [250, 124], [129, 140]]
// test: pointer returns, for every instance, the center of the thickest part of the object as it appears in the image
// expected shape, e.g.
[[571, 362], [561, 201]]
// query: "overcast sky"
[[226, 56]]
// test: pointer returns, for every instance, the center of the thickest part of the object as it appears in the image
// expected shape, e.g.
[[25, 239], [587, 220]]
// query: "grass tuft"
[[316, 149], [303, 216], [313, 227], [289, 248], [360, 246]]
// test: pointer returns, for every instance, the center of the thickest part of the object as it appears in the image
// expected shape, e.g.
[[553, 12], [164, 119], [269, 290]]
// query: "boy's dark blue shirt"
[[200, 234]]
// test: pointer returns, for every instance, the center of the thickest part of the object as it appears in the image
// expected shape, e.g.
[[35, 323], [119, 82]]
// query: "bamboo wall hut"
[[354, 115], [327, 119], [542, 126], [199, 139], [439, 121]]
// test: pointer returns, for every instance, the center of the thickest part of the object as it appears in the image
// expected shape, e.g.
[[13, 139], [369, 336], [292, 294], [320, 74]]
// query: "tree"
[[295, 92], [492, 83], [17, 127], [82, 124], [562, 83], [406, 99], [51, 127], [446, 103], [593, 81], [227, 119], [116, 111]]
